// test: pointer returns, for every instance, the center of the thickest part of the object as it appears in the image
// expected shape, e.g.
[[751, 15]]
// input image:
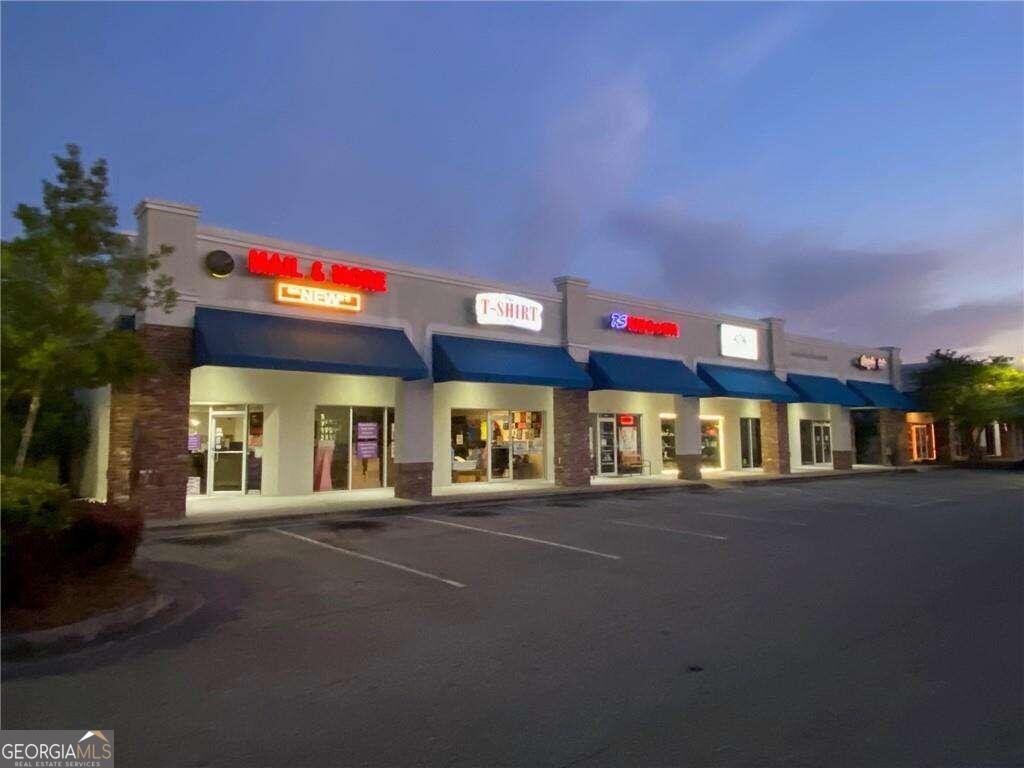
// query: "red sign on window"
[[274, 264], [627, 420]]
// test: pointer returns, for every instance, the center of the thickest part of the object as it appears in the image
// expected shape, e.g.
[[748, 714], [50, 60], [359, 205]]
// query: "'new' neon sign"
[[274, 264], [314, 296]]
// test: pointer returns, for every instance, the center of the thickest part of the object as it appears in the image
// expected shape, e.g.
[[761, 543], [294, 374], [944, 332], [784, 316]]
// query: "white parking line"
[[377, 560], [752, 519], [929, 502], [516, 536], [671, 530]]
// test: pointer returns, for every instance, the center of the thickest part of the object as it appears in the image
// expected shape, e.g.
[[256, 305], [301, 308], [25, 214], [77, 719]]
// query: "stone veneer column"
[[943, 442], [775, 437], [414, 439], [148, 464], [687, 437], [571, 427], [842, 437], [894, 437]]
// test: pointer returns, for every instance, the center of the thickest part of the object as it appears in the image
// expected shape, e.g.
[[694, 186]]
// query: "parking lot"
[[865, 622]]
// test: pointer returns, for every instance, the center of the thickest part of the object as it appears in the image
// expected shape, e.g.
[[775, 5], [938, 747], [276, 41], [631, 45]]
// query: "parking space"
[[635, 628]]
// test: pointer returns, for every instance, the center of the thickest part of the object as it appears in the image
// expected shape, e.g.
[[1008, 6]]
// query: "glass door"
[[923, 442], [822, 443], [607, 453], [227, 451], [750, 443], [500, 445]]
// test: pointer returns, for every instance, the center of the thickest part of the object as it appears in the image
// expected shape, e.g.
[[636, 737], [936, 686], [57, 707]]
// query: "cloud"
[[745, 51], [863, 295], [590, 154]]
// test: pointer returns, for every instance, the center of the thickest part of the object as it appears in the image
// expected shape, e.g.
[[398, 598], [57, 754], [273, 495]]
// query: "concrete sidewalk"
[[382, 503]]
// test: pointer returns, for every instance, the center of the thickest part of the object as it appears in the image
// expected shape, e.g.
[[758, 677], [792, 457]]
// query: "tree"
[[69, 265], [971, 393]]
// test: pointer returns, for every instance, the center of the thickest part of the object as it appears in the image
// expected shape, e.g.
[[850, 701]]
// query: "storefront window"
[[198, 449], [496, 445], [668, 443], [628, 437], [922, 442], [711, 443], [350, 446]]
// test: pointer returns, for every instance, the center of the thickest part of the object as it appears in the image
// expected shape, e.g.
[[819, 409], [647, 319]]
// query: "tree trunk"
[[26, 432], [974, 452]]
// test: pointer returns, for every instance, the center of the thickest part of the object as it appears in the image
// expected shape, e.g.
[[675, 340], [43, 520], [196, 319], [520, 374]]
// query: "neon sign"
[[506, 309], [871, 363], [627, 420], [620, 321], [274, 264], [314, 296]]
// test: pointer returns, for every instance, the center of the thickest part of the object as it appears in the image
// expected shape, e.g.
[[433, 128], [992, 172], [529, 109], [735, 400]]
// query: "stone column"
[[842, 437], [943, 442], [775, 437], [571, 427], [414, 439], [687, 437], [894, 436], [148, 461]]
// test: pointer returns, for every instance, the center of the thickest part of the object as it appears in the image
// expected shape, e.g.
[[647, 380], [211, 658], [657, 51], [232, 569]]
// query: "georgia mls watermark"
[[57, 749]]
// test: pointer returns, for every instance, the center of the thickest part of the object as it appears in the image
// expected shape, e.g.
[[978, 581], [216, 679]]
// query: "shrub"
[[102, 535], [49, 539]]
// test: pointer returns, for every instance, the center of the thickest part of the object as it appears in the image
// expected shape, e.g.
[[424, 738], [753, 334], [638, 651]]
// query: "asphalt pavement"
[[871, 621]]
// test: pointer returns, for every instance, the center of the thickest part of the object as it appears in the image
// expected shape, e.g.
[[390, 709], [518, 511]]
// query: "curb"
[[18, 645], [171, 530]]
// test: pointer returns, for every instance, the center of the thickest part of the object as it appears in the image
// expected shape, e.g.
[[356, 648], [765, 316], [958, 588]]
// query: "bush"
[[48, 539]]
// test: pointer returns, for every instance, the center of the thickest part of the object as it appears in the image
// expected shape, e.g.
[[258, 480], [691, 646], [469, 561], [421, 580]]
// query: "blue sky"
[[855, 168]]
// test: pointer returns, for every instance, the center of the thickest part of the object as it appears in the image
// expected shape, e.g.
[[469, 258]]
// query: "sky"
[[855, 168]]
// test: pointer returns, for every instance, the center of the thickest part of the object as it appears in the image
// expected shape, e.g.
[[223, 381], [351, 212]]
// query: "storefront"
[[292, 372], [496, 398]]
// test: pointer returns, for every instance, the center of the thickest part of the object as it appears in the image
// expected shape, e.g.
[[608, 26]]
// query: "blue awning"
[[457, 358], [631, 373], [250, 340], [882, 395], [727, 381], [822, 389]]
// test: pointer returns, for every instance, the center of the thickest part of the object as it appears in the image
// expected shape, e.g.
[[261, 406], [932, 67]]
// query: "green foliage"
[[37, 506], [61, 434], [971, 393], [69, 262]]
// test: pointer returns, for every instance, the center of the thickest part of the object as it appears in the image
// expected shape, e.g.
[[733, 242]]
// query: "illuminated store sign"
[[738, 341], [274, 264], [314, 296], [620, 321], [871, 363], [506, 309]]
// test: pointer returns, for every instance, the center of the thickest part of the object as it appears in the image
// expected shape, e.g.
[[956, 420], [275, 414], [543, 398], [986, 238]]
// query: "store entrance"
[[815, 442], [867, 442], [750, 443], [225, 449]]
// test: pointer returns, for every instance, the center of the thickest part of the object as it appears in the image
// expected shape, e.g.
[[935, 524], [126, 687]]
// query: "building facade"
[[287, 370]]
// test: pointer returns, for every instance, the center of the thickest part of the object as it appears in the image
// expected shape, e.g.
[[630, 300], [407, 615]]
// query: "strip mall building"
[[288, 370]]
